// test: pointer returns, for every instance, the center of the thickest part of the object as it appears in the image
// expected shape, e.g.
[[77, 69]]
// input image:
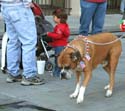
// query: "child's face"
[[56, 19]]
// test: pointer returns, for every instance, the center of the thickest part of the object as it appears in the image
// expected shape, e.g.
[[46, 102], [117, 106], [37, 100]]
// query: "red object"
[[37, 10], [122, 27], [59, 35], [96, 1]]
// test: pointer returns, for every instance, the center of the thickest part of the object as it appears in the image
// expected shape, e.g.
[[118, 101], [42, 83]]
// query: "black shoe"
[[32, 81], [11, 79]]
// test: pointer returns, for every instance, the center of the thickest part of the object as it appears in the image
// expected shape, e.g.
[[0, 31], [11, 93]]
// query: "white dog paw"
[[80, 99], [108, 93], [107, 87], [73, 95]]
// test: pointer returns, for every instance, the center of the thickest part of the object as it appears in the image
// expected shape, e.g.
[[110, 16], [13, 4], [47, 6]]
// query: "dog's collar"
[[86, 49], [85, 40], [82, 63], [87, 56], [72, 46]]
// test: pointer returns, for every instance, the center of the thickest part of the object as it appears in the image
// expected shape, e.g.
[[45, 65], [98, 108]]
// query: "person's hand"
[[45, 37], [44, 34]]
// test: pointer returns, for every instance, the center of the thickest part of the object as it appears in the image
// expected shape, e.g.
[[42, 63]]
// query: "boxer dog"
[[83, 54]]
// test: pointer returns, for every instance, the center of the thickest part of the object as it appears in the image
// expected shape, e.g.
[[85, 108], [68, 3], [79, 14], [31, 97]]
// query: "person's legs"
[[27, 35], [22, 34], [57, 69], [122, 6], [98, 18], [87, 11], [26, 28], [13, 45]]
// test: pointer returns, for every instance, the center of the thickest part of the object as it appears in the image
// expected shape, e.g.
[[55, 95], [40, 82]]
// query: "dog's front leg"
[[87, 77], [76, 92]]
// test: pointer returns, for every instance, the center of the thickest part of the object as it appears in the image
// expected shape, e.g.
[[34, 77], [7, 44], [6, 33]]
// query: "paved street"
[[54, 94]]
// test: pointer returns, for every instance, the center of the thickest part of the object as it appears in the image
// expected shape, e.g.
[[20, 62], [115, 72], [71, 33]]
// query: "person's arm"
[[59, 32], [56, 34]]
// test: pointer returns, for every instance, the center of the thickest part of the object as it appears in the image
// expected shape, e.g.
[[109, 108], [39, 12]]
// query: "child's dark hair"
[[60, 13]]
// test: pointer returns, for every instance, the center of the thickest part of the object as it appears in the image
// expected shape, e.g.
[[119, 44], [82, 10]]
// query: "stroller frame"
[[49, 64]]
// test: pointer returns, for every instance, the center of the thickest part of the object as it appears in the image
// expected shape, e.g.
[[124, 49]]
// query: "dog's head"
[[68, 61]]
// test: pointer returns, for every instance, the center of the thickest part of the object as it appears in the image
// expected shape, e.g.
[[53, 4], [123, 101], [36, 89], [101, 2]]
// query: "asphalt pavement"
[[54, 94]]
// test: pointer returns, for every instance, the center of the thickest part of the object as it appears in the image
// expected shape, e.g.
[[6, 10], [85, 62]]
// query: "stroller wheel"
[[48, 66]]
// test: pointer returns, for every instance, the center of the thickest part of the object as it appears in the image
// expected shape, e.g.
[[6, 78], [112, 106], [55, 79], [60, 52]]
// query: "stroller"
[[43, 26], [42, 46]]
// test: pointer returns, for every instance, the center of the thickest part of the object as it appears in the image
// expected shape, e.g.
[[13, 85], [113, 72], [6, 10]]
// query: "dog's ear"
[[75, 56]]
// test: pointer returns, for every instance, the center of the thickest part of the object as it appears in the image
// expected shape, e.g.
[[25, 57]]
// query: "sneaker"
[[32, 81], [11, 79]]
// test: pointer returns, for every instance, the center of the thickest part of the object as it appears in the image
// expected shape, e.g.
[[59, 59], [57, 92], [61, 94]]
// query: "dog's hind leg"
[[108, 87], [76, 92], [106, 68], [110, 69]]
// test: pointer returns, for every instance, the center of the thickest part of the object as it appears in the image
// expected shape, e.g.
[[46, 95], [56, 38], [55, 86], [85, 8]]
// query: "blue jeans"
[[57, 69], [122, 6], [21, 31], [92, 12]]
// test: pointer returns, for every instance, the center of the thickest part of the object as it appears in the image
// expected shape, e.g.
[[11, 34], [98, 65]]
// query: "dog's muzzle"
[[65, 74]]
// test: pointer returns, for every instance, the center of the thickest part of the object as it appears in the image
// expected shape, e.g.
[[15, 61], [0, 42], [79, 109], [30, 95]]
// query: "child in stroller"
[[42, 26]]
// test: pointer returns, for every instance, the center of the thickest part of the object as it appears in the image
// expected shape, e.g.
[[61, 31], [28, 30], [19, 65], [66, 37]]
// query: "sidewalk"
[[54, 95]]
